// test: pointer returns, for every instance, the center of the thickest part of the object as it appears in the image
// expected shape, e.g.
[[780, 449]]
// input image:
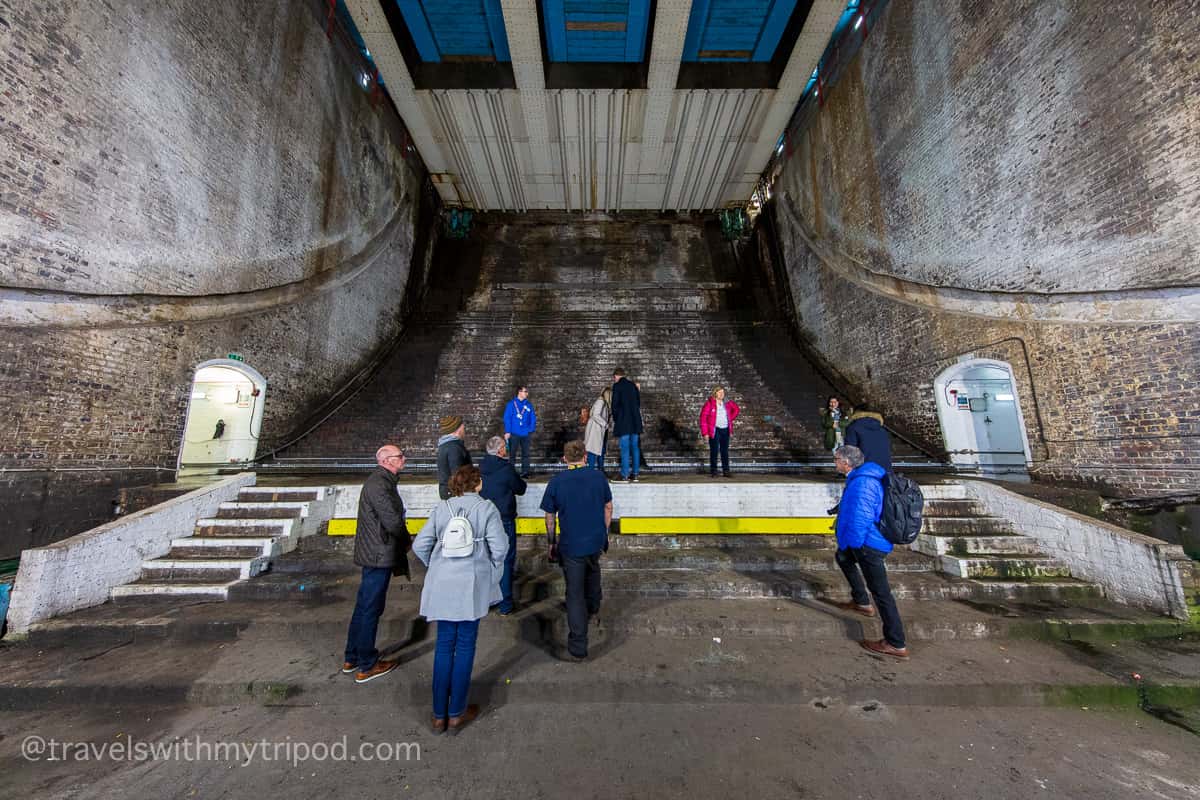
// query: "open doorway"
[[981, 419], [224, 416]]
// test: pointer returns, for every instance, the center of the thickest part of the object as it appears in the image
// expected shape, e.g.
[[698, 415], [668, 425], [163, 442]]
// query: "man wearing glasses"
[[381, 545]]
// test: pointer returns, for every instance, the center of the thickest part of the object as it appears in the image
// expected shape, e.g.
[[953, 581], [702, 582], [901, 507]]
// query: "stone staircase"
[[239, 543], [967, 543], [667, 302]]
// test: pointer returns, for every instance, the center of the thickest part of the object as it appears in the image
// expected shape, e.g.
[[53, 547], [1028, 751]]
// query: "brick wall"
[[184, 150], [1029, 147]]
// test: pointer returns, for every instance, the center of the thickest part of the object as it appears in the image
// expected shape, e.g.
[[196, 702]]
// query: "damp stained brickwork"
[[993, 147], [185, 149], [1019, 146]]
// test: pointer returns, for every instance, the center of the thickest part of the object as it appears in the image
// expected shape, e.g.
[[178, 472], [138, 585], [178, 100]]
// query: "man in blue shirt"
[[582, 501], [862, 549], [520, 421]]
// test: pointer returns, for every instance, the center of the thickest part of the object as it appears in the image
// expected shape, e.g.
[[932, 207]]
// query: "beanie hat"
[[449, 424]]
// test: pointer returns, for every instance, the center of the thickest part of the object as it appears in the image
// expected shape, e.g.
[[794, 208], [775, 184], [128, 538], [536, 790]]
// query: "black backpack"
[[900, 521]]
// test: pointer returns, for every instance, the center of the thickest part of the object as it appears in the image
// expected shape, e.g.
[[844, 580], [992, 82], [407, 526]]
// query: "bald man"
[[381, 545]]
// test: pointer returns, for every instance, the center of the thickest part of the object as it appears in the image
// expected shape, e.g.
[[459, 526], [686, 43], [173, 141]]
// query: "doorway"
[[981, 419], [224, 416]]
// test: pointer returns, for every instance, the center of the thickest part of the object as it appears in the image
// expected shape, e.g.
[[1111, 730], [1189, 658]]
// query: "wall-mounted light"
[[858, 21], [1004, 398]]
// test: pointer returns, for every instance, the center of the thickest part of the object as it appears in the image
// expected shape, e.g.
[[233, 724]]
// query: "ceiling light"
[[858, 22]]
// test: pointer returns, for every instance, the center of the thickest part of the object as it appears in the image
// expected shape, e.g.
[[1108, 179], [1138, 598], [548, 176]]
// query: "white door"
[[224, 416], [980, 416]]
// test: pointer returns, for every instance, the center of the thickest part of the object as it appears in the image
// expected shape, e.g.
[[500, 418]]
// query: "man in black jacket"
[[627, 423], [451, 451], [866, 432], [502, 485], [381, 545]]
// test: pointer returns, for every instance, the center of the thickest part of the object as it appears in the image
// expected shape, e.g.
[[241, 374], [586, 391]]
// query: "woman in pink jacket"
[[716, 421]]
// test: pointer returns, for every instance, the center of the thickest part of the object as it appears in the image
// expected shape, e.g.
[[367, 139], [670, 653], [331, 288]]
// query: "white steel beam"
[[666, 51], [525, 46], [373, 26], [818, 28]]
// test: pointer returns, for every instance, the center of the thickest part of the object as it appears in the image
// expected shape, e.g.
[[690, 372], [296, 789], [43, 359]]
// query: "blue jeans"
[[597, 461], [510, 563], [452, 663], [364, 623], [630, 453], [521, 443]]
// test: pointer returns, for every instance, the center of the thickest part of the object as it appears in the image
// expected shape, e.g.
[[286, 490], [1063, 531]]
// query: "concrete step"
[[213, 527], [204, 569], [949, 544], [1005, 567], [201, 552], [750, 559], [664, 542], [279, 494], [207, 590], [966, 526], [266, 545], [953, 508], [238, 510]]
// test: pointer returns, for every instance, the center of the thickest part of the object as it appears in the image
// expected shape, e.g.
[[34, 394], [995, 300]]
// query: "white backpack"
[[458, 540]]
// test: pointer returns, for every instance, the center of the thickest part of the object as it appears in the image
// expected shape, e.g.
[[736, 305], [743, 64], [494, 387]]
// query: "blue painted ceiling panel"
[[736, 30], [606, 31], [456, 30]]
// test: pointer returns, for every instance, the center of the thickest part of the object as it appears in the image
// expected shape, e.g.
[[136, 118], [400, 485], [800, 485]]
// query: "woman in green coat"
[[833, 422]]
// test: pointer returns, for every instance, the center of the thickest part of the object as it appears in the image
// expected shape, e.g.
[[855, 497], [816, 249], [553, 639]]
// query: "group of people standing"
[[468, 544]]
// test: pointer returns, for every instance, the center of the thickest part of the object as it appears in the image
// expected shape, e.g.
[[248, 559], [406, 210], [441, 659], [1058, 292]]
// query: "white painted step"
[[267, 544], [285, 525], [247, 567], [216, 591], [321, 492], [240, 506]]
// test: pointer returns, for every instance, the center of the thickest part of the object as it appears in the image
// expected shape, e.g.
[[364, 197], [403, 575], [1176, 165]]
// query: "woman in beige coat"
[[595, 437]]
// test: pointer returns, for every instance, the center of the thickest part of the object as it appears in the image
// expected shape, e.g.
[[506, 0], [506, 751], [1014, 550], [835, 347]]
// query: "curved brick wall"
[[183, 150], [1030, 148]]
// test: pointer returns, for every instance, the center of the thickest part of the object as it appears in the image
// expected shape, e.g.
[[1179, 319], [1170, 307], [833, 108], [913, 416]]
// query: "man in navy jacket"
[[627, 423], [866, 432], [861, 549], [520, 421], [502, 486]]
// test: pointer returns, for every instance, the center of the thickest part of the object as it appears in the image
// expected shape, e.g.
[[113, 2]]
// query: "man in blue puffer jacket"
[[862, 549]]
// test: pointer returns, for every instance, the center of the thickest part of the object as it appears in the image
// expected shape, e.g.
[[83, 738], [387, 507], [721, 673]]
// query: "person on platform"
[[520, 421], [502, 485], [381, 544], [862, 549], [451, 451], [833, 424], [459, 588], [580, 501], [627, 423], [599, 423], [716, 423], [864, 430]]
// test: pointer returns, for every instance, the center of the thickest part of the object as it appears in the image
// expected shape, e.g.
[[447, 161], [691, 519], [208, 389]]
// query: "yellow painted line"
[[654, 525], [703, 525]]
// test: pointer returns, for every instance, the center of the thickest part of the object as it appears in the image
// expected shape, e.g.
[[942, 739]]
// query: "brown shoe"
[[866, 611], [348, 667], [456, 724], [380, 669], [438, 726], [882, 648]]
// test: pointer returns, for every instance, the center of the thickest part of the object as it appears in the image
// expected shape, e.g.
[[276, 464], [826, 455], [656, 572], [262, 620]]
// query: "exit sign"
[[236, 357]]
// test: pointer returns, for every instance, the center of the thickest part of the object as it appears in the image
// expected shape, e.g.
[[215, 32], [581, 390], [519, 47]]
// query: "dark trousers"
[[364, 623], [582, 574], [521, 443], [718, 441], [452, 663], [510, 565], [867, 562]]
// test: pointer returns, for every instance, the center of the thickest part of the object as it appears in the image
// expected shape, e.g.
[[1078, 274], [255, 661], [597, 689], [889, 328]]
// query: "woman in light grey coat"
[[595, 436], [458, 593]]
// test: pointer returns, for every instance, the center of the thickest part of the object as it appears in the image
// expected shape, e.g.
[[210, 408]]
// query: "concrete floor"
[[617, 750]]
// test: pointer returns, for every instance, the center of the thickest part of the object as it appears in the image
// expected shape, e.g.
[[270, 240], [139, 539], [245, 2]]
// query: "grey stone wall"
[[975, 150], [184, 180]]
